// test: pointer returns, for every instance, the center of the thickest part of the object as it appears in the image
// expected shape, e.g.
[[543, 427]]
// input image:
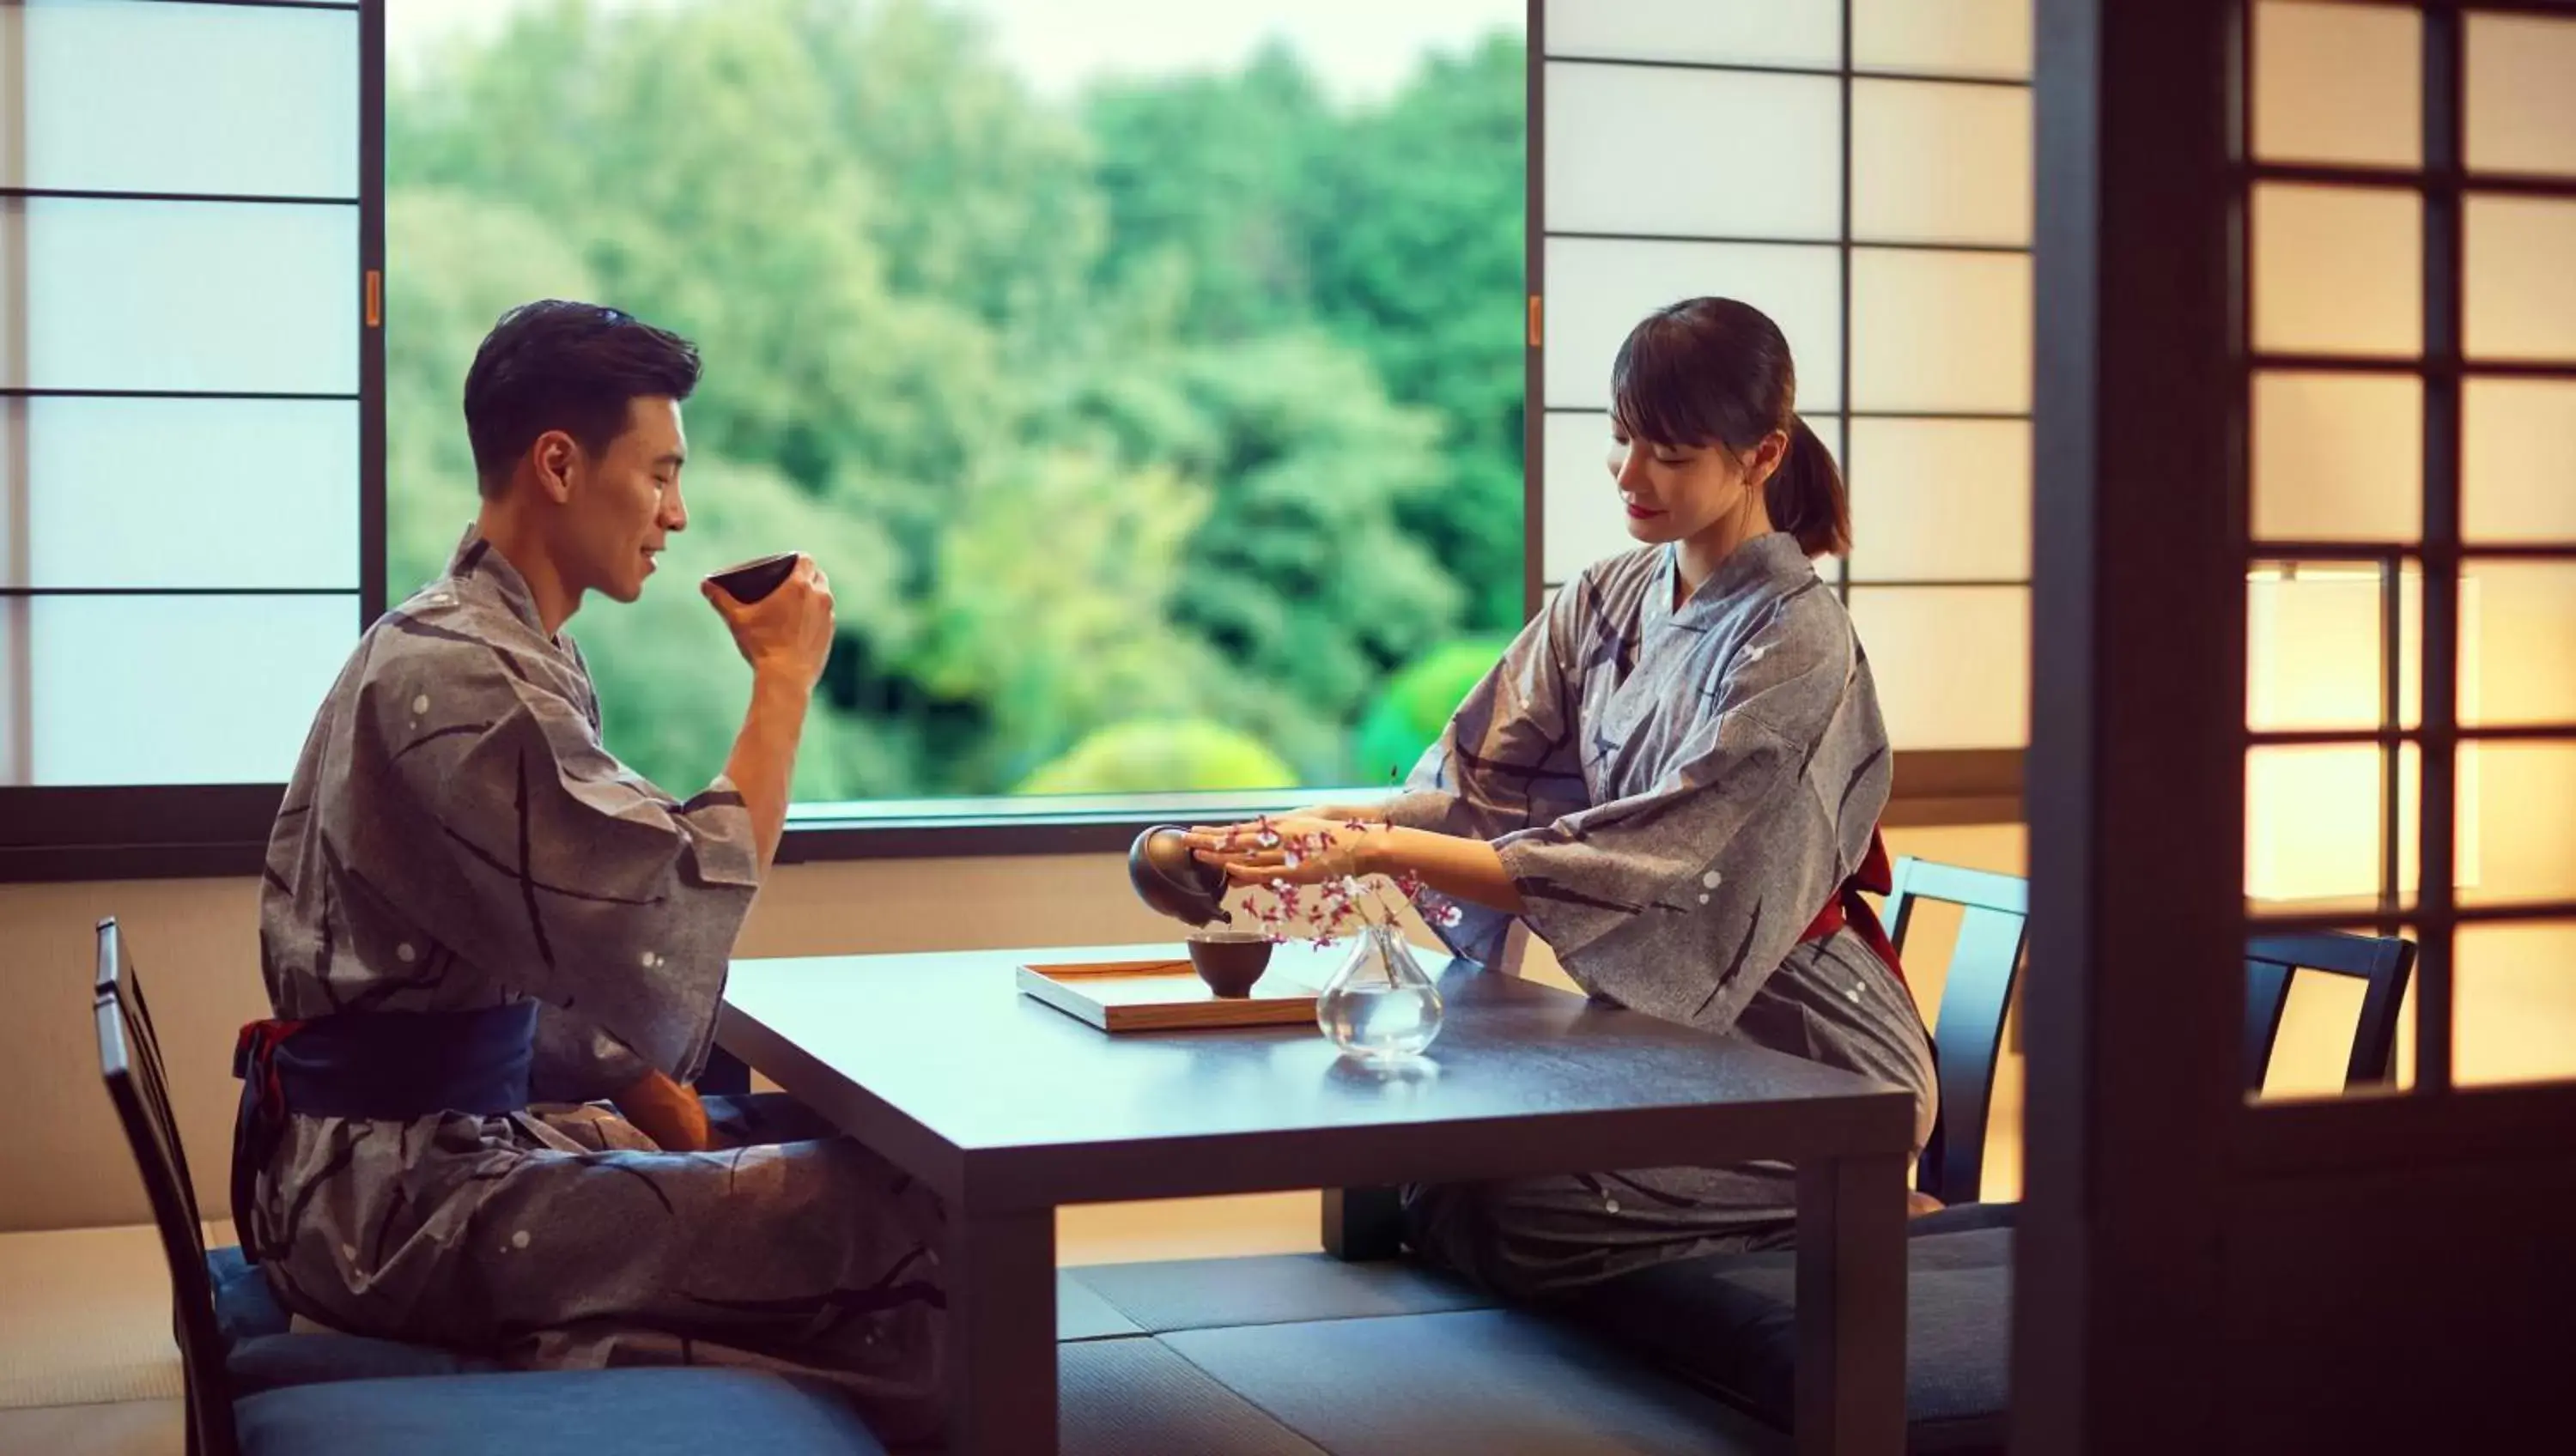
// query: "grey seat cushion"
[[1198, 1294], [1728, 1323], [260, 1352], [632, 1412], [245, 1307]]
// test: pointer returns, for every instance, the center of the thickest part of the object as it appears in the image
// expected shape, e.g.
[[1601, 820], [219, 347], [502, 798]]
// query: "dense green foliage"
[[1146, 438]]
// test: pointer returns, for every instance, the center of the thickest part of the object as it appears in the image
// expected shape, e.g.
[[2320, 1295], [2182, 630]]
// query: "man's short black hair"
[[575, 367]]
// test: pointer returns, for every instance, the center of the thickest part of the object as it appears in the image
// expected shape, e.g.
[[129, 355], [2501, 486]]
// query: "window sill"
[[221, 831]]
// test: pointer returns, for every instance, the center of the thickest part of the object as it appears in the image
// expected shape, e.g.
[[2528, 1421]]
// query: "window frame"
[[66, 833]]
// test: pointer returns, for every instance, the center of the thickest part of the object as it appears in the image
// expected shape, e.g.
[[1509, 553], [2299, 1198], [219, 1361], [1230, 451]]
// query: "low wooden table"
[[1010, 1108]]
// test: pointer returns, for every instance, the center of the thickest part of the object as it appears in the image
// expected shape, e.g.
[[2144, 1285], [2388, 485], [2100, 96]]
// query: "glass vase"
[[1380, 1007]]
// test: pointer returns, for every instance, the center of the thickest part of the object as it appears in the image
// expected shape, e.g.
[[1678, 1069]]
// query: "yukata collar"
[[1772, 556], [477, 567]]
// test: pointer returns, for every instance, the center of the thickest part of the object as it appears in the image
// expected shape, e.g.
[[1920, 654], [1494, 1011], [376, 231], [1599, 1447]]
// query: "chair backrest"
[[1994, 927], [1994, 930], [2381, 963], [129, 1059]]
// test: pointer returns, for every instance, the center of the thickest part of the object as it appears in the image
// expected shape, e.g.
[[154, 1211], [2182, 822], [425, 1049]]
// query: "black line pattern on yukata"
[[733, 1165], [1538, 887], [1642, 815], [640, 1176], [435, 734], [1851, 785], [712, 799], [294, 811], [470, 558], [527, 880], [323, 948], [495, 861], [1735, 965], [411, 626], [341, 1157], [276, 881], [385, 1225], [845, 1302]]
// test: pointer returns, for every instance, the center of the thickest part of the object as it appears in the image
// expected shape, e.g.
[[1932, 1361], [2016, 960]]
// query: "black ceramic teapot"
[[1174, 881]]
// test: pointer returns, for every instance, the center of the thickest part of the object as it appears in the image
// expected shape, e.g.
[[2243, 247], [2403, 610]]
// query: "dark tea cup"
[[755, 579], [1230, 961]]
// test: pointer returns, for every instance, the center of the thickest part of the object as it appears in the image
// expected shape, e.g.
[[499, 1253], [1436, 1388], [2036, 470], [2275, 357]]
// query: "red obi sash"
[[1848, 908]]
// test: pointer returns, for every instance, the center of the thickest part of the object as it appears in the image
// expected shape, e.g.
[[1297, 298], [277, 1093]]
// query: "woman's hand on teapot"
[[1301, 849]]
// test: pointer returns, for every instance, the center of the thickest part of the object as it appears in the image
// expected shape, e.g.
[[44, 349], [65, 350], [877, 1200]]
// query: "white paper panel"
[[179, 690], [2338, 270], [1736, 32], [2338, 83], [2521, 640], [122, 96], [2521, 278], [1635, 149], [1943, 37], [2513, 1005], [2521, 103], [1598, 290], [1938, 500], [1940, 331], [2338, 457], [1584, 522], [2314, 648], [2525, 838], [246, 297], [159, 493], [1940, 163], [1582, 516], [2519, 457], [2315, 821], [1952, 663]]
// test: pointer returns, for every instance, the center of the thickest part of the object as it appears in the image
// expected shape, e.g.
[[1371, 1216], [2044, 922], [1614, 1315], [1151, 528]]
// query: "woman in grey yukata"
[[1674, 777]]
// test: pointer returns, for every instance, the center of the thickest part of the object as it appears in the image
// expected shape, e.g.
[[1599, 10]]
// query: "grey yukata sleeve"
[[584, 885], [1507, 760], [1682, 899]]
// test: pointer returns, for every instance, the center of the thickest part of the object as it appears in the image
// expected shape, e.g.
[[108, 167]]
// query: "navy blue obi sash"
[[388, 1066]]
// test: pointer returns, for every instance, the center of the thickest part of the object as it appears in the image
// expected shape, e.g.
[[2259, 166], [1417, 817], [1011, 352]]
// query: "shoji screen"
[[2411, 592], [1861, 171], [180, 359]]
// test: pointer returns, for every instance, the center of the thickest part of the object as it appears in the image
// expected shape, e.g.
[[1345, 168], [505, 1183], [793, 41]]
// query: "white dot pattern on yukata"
[[405, 954], [519, 1240], [420, 704], [651, 960]]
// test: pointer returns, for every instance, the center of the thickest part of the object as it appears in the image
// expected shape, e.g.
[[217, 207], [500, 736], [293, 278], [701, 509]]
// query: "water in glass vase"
[[1380, 1006]]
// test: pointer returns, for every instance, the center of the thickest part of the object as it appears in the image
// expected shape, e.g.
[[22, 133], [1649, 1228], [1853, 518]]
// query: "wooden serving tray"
[[1163, 995]]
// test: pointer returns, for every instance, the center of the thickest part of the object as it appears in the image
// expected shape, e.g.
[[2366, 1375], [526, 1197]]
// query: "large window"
[[1148, 374], [1188, 397]]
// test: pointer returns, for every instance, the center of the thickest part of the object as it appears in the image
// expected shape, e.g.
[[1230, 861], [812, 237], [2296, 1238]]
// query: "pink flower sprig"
[[1327, 912]]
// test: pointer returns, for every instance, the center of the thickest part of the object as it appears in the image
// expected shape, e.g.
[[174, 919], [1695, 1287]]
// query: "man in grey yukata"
[[1676, 793], [456, 839]]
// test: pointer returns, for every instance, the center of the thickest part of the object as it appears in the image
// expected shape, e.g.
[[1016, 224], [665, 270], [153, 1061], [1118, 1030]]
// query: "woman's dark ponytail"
[[1805, 495], [1713, 371]]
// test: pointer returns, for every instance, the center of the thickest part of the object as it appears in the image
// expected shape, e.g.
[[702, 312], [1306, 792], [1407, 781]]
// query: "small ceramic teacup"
[[1230, 961]]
